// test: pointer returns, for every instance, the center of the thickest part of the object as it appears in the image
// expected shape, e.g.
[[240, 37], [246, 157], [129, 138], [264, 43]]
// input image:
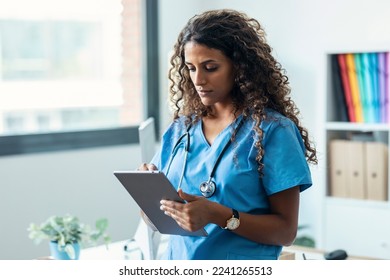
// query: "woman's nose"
[[199, 78]]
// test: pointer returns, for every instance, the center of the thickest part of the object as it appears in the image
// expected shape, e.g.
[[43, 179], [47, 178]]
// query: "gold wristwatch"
[[234, 222]]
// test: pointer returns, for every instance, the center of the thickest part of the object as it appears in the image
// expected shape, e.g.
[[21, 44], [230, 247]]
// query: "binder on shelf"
[[382, 86], [369, 94], [353, 82], [355, 169], [387, 88], [346, 87], [337, 166], [338, 92], [373, 59], [361, 86], [376, 168]]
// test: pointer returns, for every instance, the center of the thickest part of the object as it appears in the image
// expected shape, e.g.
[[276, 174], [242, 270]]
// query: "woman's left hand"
[[191, 216]]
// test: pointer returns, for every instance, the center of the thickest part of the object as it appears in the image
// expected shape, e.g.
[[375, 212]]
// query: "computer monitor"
[[147, 140], [147, 239]]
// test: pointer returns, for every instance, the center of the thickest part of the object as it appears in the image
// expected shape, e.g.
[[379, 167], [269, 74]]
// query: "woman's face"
[[211, 72]]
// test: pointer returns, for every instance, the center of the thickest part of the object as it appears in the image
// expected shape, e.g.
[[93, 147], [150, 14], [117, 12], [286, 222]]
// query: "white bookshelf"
[[359, 226], [363, 127]]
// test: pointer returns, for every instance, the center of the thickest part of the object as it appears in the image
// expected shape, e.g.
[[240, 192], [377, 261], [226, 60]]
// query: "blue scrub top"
[[238, 183]]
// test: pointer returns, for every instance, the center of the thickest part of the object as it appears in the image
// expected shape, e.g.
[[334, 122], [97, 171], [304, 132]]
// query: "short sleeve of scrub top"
[[284, 162], [239, 185]]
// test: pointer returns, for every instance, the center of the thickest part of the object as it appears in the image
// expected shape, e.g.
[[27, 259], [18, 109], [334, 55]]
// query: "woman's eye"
[[211, 69], [191, 69]]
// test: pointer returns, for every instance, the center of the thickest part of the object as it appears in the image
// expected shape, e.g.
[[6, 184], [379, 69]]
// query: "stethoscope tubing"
[[207, 188]]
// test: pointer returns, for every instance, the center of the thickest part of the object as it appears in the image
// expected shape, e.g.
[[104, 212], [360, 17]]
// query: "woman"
[[235, 150]]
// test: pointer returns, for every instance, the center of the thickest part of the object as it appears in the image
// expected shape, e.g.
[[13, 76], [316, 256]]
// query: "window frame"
[[61, 141]]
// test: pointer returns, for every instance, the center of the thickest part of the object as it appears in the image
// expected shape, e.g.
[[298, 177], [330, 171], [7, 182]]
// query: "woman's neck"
[[223, 113], [217, 121]]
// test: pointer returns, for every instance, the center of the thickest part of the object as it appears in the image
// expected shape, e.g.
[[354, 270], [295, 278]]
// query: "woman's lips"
[[203, 93]]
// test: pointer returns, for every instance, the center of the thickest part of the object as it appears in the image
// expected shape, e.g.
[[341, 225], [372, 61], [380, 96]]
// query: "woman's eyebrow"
[[203, 62]]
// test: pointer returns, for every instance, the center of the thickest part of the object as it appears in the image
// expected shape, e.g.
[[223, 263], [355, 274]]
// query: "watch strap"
[[235, 214]]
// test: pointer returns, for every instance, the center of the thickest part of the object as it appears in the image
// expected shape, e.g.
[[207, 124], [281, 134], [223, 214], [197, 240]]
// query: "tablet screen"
[[148, 188]]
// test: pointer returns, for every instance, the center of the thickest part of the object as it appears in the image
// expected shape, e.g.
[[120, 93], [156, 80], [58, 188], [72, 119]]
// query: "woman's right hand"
[[147, 166]]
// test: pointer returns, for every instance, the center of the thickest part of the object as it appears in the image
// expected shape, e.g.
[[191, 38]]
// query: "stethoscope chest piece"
[[207, 188]]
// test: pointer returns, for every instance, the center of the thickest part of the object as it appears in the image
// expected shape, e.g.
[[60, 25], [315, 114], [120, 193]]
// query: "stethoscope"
[[208, 187]]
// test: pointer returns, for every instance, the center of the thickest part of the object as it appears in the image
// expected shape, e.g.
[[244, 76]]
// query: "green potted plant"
[[66, 234], [304, 240]]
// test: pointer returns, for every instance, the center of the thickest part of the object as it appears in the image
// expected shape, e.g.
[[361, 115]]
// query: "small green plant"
[[67, 230], [304, 240]]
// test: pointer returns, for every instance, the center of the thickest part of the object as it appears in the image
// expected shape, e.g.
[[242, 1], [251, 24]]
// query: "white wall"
[[300, 32], [80, 182]]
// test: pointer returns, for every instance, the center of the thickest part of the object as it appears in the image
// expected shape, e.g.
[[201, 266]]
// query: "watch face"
[[233, 223]]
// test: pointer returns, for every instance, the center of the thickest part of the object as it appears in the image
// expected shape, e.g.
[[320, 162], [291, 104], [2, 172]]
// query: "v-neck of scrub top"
[[202, 156], [230, 127]]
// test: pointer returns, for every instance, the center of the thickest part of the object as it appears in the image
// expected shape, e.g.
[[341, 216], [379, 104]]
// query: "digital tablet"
[[148, 188]]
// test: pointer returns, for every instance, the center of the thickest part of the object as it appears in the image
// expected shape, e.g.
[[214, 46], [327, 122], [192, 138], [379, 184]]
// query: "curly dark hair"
[[260, 80]]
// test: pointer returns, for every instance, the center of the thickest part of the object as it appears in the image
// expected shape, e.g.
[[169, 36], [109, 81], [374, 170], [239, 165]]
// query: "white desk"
[[116, 251], [301, 253]]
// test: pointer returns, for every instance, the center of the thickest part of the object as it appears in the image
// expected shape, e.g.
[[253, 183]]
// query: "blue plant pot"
[[61, 254]]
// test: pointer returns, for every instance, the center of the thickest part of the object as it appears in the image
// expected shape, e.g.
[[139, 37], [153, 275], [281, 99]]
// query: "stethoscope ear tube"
[[184, 168]]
